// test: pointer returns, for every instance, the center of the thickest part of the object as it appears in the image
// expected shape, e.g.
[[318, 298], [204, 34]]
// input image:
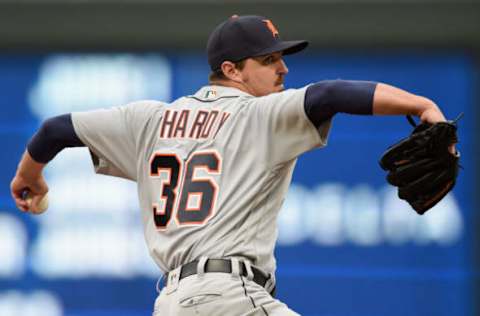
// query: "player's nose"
[[282, 67]]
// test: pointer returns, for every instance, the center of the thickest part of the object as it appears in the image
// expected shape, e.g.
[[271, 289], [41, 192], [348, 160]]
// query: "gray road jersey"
[[212, 169]]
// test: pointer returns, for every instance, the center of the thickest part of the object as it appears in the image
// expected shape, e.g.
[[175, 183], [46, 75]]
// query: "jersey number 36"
[[198, 193]]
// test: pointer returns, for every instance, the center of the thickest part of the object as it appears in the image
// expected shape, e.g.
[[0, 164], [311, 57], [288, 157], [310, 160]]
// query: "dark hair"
[[218, 74]]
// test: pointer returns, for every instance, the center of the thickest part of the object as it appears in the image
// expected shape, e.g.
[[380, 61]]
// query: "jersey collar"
[[214, 92]]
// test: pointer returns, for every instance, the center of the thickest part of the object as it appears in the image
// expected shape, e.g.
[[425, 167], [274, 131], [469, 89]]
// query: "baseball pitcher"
[[213, 168]]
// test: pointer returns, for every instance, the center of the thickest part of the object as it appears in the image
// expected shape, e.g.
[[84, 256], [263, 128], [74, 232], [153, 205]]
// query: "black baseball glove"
[[421, 165]]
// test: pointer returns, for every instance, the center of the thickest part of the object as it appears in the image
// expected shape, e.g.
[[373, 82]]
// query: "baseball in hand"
[[40, 207]]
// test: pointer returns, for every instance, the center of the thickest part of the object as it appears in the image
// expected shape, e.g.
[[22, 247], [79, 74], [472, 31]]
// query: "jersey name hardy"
[[176, 124]]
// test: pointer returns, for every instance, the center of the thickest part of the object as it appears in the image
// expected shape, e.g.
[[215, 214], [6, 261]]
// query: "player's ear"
[[231, 71]]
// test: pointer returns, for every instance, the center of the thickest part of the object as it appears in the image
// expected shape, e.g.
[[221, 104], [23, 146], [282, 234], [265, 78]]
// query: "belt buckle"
[[172, 280]]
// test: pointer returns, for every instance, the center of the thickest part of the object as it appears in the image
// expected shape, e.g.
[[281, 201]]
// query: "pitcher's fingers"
[[22, 205]]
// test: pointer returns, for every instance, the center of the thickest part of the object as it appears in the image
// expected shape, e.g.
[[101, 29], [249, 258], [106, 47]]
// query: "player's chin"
[[279, 87]]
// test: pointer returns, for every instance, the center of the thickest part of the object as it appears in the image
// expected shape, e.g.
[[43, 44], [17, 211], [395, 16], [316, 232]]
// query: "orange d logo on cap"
[[271, 27]]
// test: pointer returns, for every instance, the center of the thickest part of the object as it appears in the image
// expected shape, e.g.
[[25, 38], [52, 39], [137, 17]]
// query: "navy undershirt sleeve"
[[326, 98], [54, 135]]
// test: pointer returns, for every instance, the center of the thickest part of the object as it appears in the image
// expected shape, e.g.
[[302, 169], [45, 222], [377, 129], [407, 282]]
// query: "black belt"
[[225, 266]]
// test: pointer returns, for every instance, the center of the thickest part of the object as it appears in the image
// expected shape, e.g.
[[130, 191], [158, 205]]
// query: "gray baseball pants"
[[214, 293]]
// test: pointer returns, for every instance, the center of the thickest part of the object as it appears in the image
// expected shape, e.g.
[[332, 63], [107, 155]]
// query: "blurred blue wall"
[[347, 245]]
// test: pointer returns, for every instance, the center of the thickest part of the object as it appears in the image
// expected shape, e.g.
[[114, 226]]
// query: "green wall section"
[[114, 25]]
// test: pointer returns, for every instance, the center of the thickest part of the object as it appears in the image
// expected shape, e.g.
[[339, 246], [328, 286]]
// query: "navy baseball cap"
[[247, 36]]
